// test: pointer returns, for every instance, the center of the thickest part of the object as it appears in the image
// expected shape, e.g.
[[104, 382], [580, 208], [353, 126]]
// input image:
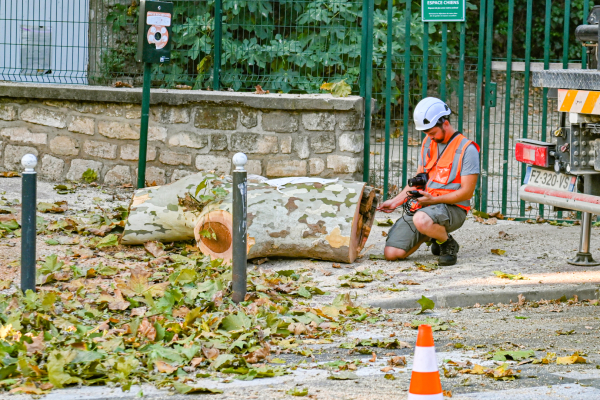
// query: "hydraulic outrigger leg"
[[584, 257]]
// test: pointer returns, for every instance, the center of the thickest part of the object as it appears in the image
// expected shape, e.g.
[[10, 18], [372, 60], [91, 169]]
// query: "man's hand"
[[426, 199], [387, 206]]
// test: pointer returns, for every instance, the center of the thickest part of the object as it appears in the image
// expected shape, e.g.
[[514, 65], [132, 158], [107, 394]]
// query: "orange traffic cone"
[[425, 380]]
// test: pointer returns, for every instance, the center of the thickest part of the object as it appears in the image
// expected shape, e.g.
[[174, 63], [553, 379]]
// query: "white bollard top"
[[29, 161], [239, 160]]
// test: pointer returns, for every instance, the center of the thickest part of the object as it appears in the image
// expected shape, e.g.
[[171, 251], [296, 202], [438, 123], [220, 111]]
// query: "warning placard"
[[443, 10], [158, 18]]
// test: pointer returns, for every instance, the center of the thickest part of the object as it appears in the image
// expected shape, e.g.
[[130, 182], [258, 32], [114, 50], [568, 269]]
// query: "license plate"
[[550, 179]]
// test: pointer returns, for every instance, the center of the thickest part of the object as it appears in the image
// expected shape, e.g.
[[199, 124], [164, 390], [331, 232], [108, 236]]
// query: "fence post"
[[405, 116], [239, 228], [388, 95], [218, 41], [28, 222], [368, 92], [141, 182]]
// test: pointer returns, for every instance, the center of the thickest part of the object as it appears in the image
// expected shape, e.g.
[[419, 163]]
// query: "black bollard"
[[239, 259], [28, 222]]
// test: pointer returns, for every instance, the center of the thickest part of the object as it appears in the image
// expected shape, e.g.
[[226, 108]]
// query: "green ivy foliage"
[[295, 46]]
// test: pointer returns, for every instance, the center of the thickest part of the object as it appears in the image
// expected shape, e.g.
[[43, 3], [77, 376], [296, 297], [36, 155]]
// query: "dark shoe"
[[435, 248], [448, 251]]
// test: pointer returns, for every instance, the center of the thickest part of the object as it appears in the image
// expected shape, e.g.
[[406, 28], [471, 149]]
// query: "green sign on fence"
[[443, 10]]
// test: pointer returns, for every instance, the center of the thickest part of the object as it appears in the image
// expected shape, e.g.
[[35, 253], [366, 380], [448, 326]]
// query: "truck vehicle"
[[565, 173]]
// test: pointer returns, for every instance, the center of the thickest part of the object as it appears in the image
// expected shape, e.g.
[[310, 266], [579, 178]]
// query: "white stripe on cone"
[[438, 396], [425, 360]]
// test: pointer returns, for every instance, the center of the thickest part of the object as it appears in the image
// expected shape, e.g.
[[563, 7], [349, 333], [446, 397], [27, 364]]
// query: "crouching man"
[[440, 195]]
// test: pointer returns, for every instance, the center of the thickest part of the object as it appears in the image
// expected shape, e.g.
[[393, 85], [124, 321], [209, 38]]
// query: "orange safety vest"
[[444, 174]]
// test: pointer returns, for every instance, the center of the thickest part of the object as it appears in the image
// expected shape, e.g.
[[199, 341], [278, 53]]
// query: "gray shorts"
[[403, 235]]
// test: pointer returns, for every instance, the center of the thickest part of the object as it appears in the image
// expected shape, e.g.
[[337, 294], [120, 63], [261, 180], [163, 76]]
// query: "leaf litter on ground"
[[504, 275], [166, 323], [435, 323]]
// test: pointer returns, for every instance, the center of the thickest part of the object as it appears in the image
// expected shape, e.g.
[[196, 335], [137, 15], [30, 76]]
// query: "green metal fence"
[[489, 91], [284, 45]]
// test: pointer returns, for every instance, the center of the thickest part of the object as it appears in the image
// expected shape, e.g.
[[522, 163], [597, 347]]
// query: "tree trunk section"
[[309, 220], [330, 221]]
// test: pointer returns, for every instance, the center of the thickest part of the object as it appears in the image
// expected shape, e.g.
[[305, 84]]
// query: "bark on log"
[[155, 213], [309, 220]]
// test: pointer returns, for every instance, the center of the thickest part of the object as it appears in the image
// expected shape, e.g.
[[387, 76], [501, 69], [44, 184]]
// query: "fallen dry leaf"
[[497, 215], [447, 393], [258, 355], [28, 389], [120, 84], [9, 174], [196, 361], [139, 311], [259, 90], [102, 231], [409, 282], [118, 303], [574, 359], [387, 369], [162, 366], [297, 328], [210, 353], [374, 358], [37, 344], [138, 285], [476, 370], [54, 208], [336, 266], [146, 329], [157, 249], [181, 312], [397, 361]]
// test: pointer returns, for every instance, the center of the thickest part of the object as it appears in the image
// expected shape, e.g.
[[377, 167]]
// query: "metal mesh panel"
[[567, 79], [285, 45]]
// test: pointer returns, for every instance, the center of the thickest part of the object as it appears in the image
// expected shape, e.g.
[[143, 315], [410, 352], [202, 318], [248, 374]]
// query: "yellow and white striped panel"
[[579, 101]]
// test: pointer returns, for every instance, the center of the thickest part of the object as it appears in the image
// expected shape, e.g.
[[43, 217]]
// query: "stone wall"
[[72, 128]]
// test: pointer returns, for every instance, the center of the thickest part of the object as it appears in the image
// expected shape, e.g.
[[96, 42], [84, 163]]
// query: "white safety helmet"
[[428, 112]]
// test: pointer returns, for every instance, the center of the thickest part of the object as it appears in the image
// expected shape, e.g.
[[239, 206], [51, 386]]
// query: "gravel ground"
[[477, 331]]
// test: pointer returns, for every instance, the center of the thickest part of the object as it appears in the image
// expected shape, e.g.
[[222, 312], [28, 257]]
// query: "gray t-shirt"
[[470, 162]]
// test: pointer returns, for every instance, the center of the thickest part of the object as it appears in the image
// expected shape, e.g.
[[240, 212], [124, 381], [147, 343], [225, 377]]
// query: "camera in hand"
[[414, 194], [419, 181]]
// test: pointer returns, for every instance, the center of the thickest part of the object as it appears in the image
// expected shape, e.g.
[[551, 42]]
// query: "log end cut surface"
[[218, 222], [222, 240]]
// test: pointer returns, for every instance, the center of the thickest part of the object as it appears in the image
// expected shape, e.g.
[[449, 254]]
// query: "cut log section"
[[327, 221], [307, 220]]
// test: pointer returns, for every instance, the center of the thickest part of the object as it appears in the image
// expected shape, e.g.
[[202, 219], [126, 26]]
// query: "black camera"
[[419, 181]]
